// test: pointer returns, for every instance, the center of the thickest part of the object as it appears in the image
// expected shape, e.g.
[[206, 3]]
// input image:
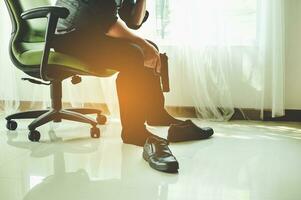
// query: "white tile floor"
[[244, 160]]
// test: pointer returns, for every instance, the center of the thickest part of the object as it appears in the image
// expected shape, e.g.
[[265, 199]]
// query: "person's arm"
[[151, 55], [138, 12], [134, 13]]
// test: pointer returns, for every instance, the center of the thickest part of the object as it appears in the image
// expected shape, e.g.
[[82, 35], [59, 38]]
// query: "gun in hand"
[[164, 73]]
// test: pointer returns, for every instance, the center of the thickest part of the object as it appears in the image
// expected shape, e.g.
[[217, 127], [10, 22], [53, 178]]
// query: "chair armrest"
[[52, 13], [42, 12]]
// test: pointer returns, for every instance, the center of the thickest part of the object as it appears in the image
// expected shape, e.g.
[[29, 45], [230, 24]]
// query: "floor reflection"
[[243, 161], [78, 184]]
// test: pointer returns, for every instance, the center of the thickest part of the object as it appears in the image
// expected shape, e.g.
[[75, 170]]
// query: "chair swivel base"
[[44, 116]]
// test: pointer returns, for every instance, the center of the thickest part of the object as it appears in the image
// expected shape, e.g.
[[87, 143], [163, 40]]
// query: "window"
[[207, 22]]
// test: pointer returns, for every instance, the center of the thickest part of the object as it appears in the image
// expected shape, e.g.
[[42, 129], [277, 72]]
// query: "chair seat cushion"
[[32, 55]]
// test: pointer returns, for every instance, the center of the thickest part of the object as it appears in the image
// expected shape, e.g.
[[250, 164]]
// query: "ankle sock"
[[163, 119], [138, 138], [135, 137]]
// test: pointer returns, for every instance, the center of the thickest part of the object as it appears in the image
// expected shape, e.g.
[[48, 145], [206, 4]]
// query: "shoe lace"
[[162, 146]]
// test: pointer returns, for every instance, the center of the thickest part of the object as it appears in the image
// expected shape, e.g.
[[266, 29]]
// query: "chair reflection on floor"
[[78, 185]]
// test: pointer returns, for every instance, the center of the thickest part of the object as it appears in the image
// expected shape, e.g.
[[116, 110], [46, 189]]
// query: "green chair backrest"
[[26, 34], [30, 30], [27, 40]]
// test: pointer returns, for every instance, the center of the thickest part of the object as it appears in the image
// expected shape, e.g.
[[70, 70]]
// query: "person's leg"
[[156, 113], [128, 59], [132, 94]]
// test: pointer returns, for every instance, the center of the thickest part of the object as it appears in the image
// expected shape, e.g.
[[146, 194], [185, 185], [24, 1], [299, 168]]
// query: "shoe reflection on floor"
[[137, 180]]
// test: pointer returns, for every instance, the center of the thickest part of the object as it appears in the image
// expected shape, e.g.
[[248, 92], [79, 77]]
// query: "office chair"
[[30, 51]]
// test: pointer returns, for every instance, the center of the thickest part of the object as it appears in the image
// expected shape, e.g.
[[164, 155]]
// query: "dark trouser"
[[139, 89]]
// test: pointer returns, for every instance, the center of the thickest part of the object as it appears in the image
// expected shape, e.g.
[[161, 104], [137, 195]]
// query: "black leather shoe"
[[188, 131], [159, 156]]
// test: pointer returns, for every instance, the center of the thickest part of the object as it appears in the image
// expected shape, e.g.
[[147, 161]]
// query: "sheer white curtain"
[[9, 97], [271, 51], [223, 54]]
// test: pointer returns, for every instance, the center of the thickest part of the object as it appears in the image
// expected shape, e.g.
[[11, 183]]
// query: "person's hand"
[[151, 57]]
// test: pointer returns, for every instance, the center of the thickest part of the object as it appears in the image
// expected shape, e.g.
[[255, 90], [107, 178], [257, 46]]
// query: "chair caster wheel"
[[95, 132], [34, 136], [101, 119], [11, 125]]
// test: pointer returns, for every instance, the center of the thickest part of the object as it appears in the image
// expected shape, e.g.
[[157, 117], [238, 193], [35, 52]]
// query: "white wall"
[[293, 59]]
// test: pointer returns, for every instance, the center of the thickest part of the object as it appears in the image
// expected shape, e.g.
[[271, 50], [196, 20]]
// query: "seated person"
[[93, 33]]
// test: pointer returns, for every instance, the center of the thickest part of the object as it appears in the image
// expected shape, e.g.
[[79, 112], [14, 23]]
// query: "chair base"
[[56, 114], [44, 116]]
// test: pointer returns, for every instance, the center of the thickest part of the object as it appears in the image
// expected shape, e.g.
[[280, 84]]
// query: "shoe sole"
[[168, 169]]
